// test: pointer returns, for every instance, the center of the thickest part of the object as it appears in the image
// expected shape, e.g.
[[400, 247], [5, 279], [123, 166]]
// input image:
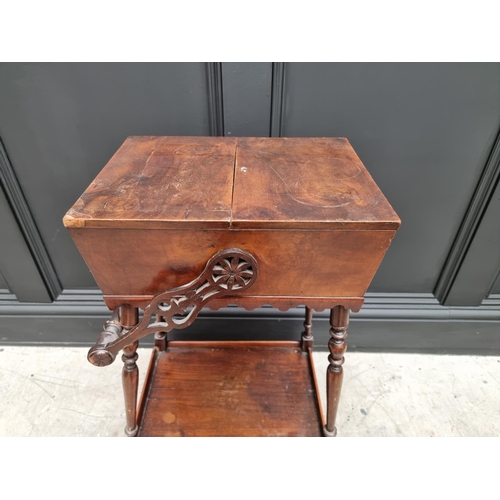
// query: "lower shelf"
[[230, 389]]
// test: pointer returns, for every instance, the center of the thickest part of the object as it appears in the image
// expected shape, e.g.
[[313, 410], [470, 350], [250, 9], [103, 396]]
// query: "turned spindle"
[[307, 340], [339, 321], [129, 317]]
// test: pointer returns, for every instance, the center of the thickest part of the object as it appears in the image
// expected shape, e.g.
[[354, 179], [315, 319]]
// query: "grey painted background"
[[426, 132], [496, 286]]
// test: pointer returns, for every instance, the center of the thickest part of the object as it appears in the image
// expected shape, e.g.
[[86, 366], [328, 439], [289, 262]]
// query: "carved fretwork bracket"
[[228, 272]]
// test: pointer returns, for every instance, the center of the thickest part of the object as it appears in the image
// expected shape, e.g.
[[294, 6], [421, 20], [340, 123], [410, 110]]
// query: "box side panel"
[[291, 263]]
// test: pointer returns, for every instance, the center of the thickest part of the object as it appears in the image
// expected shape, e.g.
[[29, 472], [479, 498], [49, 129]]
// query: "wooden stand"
[[175, 224], [230, 389]]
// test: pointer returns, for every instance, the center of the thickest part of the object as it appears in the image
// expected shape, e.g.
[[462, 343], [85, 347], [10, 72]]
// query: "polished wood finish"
[[99, 355], [205, 182], [308, 183], [167, 203], [234, 343], [339, 321], [160, 337], [293, 264], [129, 317], [232, 389], [192, 176], [229, 271], [307, 340], [250, 303], [147, 384], [130, 381], [307, 214]]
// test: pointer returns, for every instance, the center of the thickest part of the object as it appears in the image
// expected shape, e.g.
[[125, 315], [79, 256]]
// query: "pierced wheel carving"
[[234, 272]]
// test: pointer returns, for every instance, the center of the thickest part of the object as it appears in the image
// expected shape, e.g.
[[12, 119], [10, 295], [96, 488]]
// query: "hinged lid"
[[222, 182]]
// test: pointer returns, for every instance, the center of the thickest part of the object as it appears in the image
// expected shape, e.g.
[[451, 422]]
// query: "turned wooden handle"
[[99, 355]]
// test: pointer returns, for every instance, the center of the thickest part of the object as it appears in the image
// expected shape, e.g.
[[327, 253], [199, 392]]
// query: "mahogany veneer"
[[174, 224]]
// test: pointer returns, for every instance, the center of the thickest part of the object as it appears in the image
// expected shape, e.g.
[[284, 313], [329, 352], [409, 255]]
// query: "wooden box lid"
[[223, 182]]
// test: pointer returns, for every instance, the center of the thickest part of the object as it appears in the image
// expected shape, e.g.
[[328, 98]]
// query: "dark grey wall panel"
[[496, 286], [470, 268], [61, 123], [247, 98], [481, 266], [18, 267], [31, 236], [424, 131], [3, 283]]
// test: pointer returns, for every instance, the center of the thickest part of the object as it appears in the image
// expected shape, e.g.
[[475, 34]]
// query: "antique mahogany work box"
[[175, 224]]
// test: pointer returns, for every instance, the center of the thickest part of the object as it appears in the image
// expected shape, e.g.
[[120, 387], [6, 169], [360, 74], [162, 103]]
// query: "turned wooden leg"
[[307, 337], [129, 317], [160, 337], [339, 321]]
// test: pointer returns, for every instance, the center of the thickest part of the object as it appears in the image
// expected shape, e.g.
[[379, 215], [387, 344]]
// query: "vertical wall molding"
[[247, 98], [278, 99], [215, 98], [470, 224], [27, 225]]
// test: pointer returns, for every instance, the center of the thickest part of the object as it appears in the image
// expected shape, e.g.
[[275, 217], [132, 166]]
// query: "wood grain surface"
[[292, 263], [223, 182], [176, 181], [305, 183], [232, 390], [250, 302]]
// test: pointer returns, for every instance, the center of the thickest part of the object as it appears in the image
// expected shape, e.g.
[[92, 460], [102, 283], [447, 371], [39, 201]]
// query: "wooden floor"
[[225, 389]]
